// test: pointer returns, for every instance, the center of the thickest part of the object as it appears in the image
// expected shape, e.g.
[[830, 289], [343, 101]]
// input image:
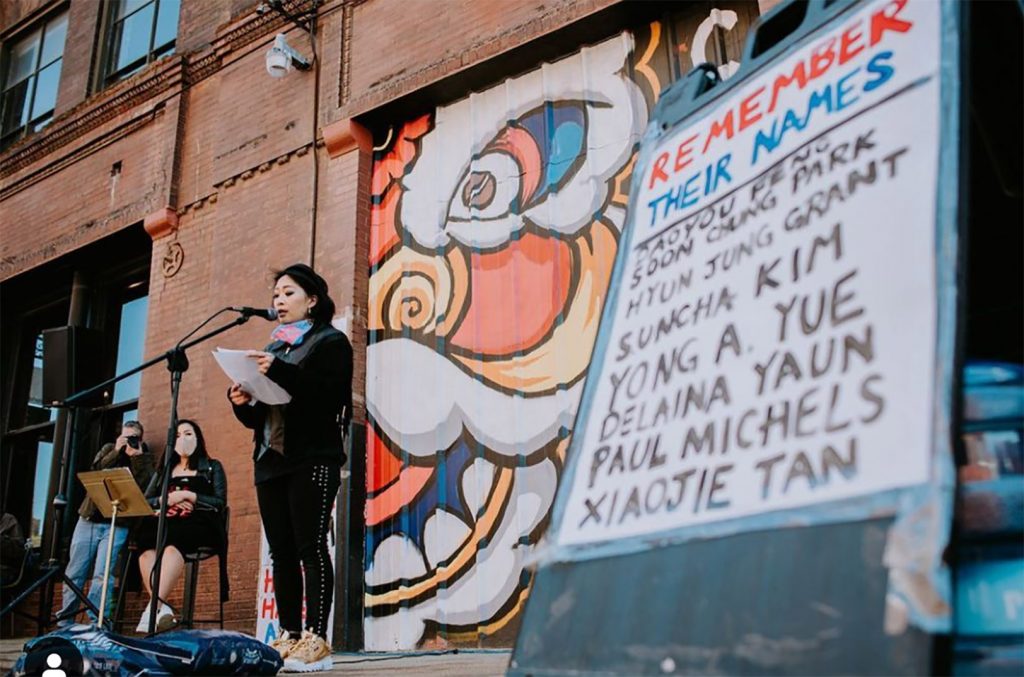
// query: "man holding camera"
[[89, 542]]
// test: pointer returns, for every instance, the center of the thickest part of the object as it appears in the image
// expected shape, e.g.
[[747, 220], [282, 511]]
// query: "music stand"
[[115, 494]]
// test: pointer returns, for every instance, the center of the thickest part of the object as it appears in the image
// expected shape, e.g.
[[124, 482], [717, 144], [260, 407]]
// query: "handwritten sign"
[[771, 344]]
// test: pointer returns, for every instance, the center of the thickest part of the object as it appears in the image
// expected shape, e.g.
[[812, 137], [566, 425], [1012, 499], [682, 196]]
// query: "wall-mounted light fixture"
[[281, 58]]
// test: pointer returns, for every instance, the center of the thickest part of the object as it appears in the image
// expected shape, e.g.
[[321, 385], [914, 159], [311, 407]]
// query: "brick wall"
[[341, 249], [205, 19], [14, 12], [95, 197], [79, 50], [231, 151], [438, 39], [242, 187], [230, 248]]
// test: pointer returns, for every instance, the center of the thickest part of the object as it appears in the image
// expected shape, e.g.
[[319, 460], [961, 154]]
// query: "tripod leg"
[[47, 575], [80, 594], [45, 580], [42, 580], [43, 616]]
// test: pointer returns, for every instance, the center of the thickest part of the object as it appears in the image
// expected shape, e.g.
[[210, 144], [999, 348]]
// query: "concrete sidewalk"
[[10, 649], [464, 663]]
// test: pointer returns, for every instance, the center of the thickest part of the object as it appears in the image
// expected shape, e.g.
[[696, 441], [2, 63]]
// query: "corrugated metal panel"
[[788, 602], [494, 228]]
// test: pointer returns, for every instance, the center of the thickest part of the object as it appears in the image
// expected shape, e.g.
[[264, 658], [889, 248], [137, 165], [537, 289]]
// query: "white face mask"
[[185, 446]]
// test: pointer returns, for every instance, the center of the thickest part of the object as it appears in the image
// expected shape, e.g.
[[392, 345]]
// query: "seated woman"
[[196, 498]]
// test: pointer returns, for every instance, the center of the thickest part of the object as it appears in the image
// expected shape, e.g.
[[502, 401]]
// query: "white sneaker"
[[143, 625], [311, 654], [284, 643], [164, 619]]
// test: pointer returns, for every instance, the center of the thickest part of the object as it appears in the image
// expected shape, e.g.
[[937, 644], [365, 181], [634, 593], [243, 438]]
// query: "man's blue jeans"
[[88, 556]]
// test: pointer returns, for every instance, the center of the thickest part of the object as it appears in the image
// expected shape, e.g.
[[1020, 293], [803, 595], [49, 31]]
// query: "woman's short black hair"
[[200, 452], [313, 285]]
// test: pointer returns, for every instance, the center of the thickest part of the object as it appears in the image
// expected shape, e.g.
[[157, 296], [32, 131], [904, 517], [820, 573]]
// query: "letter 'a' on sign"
[[770, 343]]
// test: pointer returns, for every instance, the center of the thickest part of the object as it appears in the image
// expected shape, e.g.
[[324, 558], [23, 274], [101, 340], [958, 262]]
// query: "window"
[[28, 453], [109, 281], [141, 31], [131, 340], [31, 77], [36, 411], [40, 445], [40, 490], [128, 304]]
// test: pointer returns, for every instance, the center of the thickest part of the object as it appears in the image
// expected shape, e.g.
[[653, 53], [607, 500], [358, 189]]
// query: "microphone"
[[265, 313]]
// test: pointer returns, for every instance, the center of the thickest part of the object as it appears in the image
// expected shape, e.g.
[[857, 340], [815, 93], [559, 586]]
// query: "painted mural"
[[493, 232]]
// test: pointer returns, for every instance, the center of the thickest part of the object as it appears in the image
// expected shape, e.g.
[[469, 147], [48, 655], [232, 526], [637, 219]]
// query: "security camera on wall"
[[281, 58]]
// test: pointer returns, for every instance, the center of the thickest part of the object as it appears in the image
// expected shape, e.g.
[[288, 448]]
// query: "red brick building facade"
[[182, 174]]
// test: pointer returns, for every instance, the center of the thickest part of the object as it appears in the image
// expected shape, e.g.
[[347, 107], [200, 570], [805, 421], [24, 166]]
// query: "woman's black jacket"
[[210, 469], [321, 388], [213, 471]]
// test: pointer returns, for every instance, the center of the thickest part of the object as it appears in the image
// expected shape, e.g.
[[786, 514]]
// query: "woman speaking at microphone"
[[298, 456]]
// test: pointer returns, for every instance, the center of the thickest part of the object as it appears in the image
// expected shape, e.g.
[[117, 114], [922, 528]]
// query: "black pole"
[[177, 364], [60, 500]]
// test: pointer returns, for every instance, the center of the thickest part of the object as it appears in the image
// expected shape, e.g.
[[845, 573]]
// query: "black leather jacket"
[[212, 470], [321, 388]]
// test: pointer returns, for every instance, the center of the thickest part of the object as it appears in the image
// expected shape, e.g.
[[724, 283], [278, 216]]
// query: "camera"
[[133, 441], [281, 58]]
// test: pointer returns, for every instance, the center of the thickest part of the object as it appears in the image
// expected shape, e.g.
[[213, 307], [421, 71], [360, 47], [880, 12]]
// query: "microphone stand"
[[177, 364]]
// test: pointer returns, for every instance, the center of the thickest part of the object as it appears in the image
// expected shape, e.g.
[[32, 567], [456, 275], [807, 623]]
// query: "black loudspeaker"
[[72, 361]]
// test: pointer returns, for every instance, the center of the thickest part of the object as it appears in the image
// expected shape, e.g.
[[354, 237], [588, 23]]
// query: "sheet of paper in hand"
[[243, 370]]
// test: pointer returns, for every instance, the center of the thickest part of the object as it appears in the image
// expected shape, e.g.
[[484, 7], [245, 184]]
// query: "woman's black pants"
[[296, 514]]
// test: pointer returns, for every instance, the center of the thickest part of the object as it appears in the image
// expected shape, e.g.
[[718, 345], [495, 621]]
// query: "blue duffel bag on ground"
[[88, 650]]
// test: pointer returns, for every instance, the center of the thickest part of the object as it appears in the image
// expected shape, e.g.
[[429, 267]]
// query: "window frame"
[[110, 43], [113, 270], [10, 136], [19, 435], [44, 316]]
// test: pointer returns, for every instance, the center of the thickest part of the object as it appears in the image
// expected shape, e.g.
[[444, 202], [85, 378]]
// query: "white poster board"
[[267, 626], [772, 343]]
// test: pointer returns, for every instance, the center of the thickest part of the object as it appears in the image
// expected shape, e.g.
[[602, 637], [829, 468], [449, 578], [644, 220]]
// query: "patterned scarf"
[[292, 333]]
